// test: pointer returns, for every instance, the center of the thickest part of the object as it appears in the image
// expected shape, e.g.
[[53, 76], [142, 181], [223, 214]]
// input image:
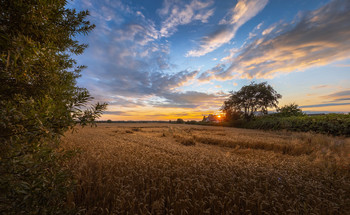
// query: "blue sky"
[[161, 60]]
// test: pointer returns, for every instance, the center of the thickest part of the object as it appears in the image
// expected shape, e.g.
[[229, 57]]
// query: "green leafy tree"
[[251, 99], [39, 101], [290, 110]]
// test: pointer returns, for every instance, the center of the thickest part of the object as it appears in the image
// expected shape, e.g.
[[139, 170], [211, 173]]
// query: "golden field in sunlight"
[[188, 169]]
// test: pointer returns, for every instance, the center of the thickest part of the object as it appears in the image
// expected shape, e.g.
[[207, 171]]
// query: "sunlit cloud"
[[190, 99], [340, 99], [178, 13], [324, 105], [238, 16], [314, 38], [339, 96], [320, 86]]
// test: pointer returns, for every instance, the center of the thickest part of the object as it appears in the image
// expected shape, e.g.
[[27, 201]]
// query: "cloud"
[[178, 13], [313, 39], [238, 16], [334, 99], [215, 71], [339, 96], [190, 99], [128, 63], [268, 30], [324, 105], [122, 113], [320, 86], [343, 65]]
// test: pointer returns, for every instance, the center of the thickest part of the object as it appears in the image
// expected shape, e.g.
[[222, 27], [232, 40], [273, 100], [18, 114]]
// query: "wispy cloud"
[[238, 16], [122, 113], [313, 39], [334, 99], [320, 86], [216, 71], [190, 99], [178, 13], [340, 93], [128, 59], [324, 105], [339, 96]]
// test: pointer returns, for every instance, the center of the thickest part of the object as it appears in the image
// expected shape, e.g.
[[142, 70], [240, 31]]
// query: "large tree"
[[251, 99], [39, 99]]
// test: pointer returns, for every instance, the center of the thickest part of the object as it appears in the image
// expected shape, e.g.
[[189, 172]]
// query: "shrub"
[[289, 110], [333, 124]]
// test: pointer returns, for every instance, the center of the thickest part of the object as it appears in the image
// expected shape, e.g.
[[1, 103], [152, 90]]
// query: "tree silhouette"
[[251, 99]]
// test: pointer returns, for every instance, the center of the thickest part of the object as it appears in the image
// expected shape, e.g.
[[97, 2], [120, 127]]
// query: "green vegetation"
[[39, 101], [242, 106], [333, 124], [289, 110]]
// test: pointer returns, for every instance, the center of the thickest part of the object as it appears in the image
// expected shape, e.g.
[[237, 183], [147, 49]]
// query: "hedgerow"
[[332, 124]]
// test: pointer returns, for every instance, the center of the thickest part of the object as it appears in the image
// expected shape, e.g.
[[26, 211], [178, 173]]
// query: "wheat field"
[[189, 169]]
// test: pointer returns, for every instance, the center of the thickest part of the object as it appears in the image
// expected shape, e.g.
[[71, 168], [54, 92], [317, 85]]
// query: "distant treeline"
[[332, 124], [178, 121], [122, 121]]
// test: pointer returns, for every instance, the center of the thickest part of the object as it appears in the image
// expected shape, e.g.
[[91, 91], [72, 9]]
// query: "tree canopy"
[[251, 99], [39, 98]]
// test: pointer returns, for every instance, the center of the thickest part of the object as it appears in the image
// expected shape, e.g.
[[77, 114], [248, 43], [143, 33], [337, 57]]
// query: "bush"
[[289, 110], [333, 124]]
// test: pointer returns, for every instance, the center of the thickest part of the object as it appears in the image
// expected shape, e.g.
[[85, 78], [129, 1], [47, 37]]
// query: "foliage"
[[334, 124], [39, 101], [251, 99], [34, 181], [290, 110], [192, 122], [180, 121]]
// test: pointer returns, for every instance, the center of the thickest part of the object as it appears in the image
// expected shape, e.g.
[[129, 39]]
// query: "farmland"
[[152, 168]]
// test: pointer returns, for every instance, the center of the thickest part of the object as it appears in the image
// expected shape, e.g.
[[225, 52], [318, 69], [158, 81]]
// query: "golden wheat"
[[188, 169]]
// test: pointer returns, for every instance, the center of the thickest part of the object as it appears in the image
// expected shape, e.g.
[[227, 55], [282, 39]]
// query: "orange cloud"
[[315, 39]]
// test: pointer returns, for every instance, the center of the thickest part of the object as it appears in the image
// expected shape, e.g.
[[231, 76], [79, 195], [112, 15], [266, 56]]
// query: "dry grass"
[[187, 169]]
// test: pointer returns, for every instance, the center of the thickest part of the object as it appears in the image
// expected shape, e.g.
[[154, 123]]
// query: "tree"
[[39, 99], [290, 110], [180, 121], [251, 99]]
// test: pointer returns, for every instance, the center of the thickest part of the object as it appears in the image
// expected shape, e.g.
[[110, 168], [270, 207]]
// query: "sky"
[[169, 59]]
